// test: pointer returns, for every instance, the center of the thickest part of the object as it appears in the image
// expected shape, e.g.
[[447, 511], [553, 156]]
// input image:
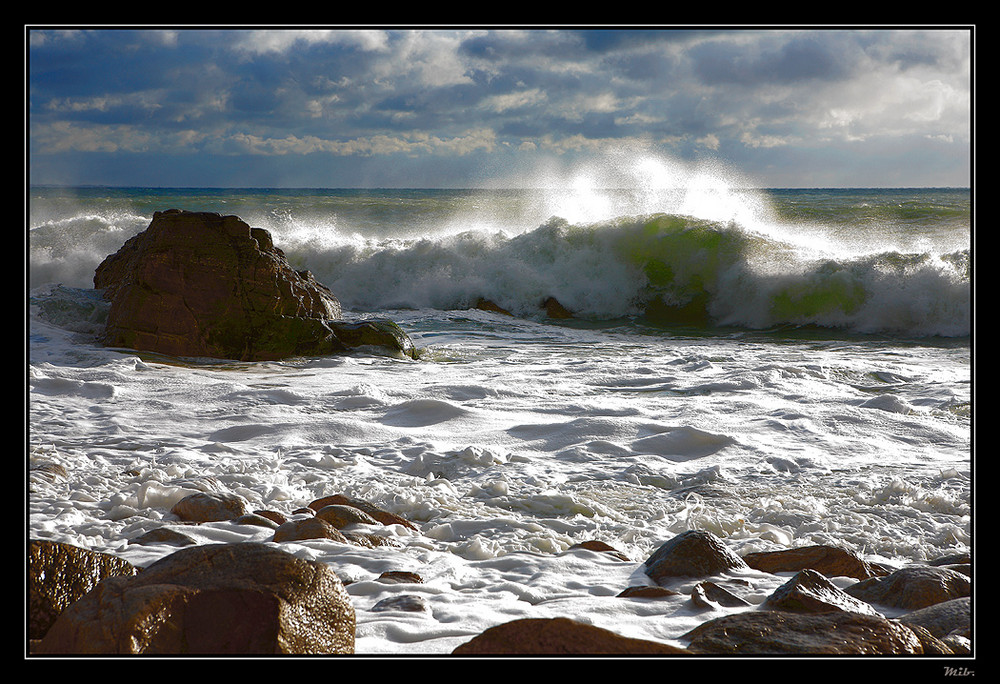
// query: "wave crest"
[[667, 268]]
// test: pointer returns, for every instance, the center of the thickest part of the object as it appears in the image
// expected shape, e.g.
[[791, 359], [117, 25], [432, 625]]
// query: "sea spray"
[[513, 439]]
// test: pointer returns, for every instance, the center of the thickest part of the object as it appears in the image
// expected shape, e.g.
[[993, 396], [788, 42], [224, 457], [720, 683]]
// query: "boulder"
[[601, 547], [341, 516], [59, 574], [400, 577], [710, 595], [210, 507], [811, 592], [163, 535], [943, 619], [382, 516], [558, 636], [913, 587], [488, 305], [407, 603], [308, 528], [646, 592], [217, 599], [202, 284], [829, 560], [769, 632], [694, 553], [553, 309]]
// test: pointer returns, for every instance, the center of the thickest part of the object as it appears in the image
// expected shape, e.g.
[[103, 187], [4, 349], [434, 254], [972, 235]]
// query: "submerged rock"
[[206, 285]]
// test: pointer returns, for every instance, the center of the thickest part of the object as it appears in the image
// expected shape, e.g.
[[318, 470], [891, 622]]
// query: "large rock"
[[809, 591], [206, 285], [558, 636], [381, 515], [210, 507], [307, 528], [694, 553], [785, 633], [60, 574], [913, 587], [949, 621], [245, 598], [829, 560]]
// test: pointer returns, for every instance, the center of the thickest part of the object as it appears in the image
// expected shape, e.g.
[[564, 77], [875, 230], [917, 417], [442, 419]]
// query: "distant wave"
[[668, 268]]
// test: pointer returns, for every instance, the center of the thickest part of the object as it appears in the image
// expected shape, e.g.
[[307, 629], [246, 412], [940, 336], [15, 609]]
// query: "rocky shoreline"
[[204, 285], [255, 598]]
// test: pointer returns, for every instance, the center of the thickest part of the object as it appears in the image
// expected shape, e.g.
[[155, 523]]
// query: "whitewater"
[[778, 367]]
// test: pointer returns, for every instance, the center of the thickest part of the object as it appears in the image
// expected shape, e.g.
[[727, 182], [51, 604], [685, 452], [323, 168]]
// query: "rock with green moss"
[[200, 284]]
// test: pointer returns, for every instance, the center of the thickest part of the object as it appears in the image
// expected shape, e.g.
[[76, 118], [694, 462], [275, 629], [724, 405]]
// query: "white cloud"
[[264, 41], [512, 101], [446, 93]]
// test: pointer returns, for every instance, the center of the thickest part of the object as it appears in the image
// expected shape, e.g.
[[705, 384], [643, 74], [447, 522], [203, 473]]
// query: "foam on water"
[[512, 439]]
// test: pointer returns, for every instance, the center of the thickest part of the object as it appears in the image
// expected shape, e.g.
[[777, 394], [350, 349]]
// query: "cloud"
[[498, 97]]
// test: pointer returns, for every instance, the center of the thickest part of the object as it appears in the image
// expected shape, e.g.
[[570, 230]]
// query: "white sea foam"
[[512, 439], [511, 454]]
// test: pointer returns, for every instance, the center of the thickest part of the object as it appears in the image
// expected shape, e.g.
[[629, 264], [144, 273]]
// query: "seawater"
[[779, 367]]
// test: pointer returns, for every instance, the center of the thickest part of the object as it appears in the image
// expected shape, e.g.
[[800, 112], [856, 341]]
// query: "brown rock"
[[163, 535], [952, 617], [810, 592], [553, 309], [274, 516], [382, 516], [308, 528], [400, 577], [829, 560], [256, 521], [60, 574], [710, 594], [341, 516], [558, 636], [210, 507], [601, 547], [206, 285], [692, 554], [930, 644], [913, 587], [408, 603], [216, 599], [371, 541], [647, 592], [783, 633], [487, 305]]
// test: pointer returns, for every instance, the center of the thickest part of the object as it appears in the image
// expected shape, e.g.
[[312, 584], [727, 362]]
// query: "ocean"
[[780, 367]]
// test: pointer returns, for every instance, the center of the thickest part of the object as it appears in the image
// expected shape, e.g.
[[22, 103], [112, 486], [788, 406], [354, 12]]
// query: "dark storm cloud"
[[313, 104]]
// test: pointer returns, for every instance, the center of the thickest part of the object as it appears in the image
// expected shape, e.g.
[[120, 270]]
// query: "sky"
[[467, 107]]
